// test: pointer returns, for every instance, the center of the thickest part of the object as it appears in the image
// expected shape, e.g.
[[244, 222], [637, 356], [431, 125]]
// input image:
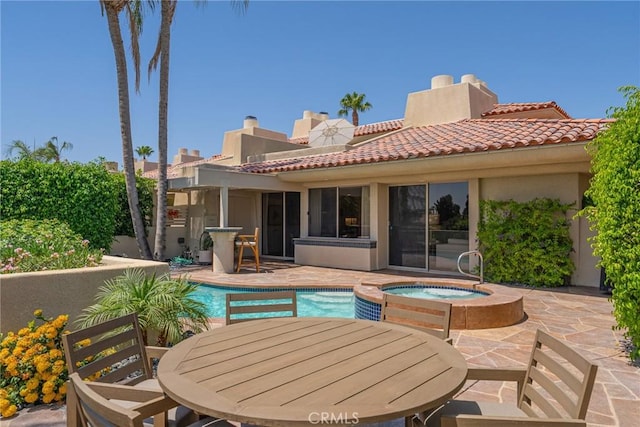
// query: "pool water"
[[435, 292], [311, 302]]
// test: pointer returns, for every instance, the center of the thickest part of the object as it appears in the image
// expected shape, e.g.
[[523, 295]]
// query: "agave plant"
[[164, 305]]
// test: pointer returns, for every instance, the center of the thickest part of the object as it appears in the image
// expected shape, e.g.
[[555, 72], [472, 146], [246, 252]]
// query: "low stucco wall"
[[60, 292], [351, 254]]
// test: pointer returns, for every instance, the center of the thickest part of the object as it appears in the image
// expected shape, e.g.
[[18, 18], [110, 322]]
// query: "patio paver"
[[581, 316]]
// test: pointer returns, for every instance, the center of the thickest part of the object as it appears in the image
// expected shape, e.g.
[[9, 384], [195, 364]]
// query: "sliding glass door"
[[407, 226], [280, 223], [428, 225]]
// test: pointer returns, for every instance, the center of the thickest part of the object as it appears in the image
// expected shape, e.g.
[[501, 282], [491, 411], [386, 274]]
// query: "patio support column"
[[224, 206]]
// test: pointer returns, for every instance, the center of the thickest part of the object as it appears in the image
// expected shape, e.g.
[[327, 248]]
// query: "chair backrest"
[[110, 352], [249, 239], [428, 315], [559, 373], [97, 410], [266, 304]]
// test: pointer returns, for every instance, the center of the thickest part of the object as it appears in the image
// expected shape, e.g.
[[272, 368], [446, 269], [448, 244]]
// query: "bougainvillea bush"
[[32, 364], [37, 245]]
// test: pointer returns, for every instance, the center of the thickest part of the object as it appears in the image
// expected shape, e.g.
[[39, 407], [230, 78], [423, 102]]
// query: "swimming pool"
[[434, 292], [311, 302]]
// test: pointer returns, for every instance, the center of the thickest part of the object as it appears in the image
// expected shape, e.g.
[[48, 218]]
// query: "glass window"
[[339, 212], [448, 225]]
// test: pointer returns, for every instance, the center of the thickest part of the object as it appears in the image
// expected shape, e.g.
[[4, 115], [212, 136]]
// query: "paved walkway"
[[581, 316]]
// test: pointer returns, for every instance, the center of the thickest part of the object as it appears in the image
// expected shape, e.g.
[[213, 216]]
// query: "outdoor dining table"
[[300, 371]]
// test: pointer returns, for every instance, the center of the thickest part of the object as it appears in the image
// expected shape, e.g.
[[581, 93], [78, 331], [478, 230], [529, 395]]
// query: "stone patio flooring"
[[580, 316]]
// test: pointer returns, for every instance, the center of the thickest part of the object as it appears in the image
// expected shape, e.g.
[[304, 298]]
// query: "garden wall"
[[61, 291]]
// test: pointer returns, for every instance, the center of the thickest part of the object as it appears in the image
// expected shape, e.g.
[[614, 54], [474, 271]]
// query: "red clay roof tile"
[[517, 107], [469, 135]]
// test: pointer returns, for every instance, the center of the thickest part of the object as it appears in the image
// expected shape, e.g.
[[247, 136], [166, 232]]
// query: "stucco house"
[[400, 194]]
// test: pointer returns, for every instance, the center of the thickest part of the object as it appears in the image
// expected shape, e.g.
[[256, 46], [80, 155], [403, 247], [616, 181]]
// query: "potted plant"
[[205, 254]]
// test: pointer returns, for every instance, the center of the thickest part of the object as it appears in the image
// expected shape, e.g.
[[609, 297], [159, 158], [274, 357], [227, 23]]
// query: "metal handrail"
[[477, 253]]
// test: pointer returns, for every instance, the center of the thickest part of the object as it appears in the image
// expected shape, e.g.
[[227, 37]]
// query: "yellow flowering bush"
[[32, 364]]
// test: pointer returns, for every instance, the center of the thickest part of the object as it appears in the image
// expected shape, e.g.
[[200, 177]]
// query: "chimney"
[[309, 120], [184, 156], [448, 102], [250, 122]]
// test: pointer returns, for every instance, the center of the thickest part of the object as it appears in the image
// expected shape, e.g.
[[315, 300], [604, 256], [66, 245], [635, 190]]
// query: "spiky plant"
[[164, 305]]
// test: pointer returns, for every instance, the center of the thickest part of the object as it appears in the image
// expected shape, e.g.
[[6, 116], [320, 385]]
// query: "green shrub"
[[145, 186], [526, 243], [81, 195], [615, 192], [36, 245], [165, 305]]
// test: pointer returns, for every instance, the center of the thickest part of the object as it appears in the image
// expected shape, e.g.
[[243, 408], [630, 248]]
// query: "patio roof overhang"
[[214, 176], [536, 160]]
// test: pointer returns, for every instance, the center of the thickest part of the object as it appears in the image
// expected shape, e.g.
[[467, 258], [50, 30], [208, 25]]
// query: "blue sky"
[[281, 58]]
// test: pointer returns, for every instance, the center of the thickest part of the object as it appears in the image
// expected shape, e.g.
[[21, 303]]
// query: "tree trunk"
[[125, 130], [354, 117], [161, 213]]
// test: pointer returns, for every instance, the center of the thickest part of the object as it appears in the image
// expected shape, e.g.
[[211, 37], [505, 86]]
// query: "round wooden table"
[[301, 371]]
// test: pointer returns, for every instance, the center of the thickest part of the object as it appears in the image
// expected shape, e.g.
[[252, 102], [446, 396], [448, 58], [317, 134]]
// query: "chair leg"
[[257, 257], [73, 413], [240, 258]]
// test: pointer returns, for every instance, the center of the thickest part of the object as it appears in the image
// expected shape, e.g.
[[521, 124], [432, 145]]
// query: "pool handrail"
[[478, 254]]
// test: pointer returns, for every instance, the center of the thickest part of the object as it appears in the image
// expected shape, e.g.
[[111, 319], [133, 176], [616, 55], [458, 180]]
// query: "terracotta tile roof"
[[465, 136], [379, 127], [173, 171], [517, 107], [370, 129]]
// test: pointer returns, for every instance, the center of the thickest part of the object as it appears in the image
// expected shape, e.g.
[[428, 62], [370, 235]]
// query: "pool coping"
[[502, 307]]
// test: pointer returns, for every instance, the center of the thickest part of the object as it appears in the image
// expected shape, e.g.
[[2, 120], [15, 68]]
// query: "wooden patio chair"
[[554, 390], [114, 405], [428, 315], [248, 241], [282, 304], [113, 352]]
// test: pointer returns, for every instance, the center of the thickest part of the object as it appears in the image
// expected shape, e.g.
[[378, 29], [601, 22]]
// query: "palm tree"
[[163, 47], [22, 149], [52, 150], [144, 151], [353, 102], [161, 55], [165, 306], [112, 8]]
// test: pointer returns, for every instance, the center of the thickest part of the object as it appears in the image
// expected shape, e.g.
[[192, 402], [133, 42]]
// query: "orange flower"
[[31, 397], [9, 411], [48, 398]]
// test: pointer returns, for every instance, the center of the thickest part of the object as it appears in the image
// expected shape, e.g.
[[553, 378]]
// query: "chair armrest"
[[149, 402], [499, 374], [494, 421], [125, 392]]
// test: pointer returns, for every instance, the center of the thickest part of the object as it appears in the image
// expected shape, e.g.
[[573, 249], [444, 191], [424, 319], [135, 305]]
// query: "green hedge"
[[91, 200], [615, 214], [82, 195], [526, 243], [145, 186]]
